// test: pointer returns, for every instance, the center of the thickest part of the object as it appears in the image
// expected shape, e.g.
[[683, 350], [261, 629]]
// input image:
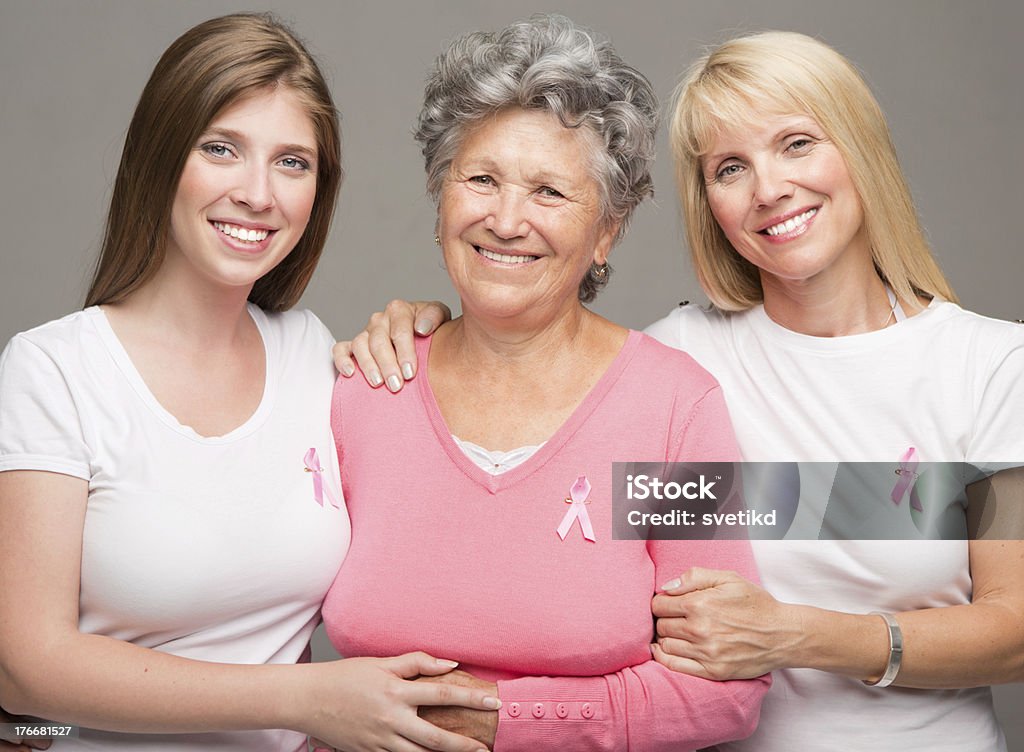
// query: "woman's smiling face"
[[247, 190], [519, 219], [782, 194]]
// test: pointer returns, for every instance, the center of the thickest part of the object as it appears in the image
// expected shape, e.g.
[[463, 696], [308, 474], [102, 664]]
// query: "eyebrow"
[[799, 123], [485, 163], [543, 177], [232, 135]]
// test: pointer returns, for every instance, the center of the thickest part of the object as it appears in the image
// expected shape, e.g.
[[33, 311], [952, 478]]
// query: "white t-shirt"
[[947, 382], [208, 548]]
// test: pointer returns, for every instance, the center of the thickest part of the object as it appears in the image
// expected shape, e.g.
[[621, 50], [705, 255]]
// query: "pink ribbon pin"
[[312, 461], [578, 499], [907, 472]]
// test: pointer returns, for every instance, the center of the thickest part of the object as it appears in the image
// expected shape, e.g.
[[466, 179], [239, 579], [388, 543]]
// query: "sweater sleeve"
[[645, 707]]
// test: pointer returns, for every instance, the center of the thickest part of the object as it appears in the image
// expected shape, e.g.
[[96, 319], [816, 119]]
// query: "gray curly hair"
[[547, 63]]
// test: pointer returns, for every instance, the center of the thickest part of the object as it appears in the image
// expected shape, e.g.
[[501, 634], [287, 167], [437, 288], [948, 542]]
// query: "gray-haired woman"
[[538, 141], [836, 338]]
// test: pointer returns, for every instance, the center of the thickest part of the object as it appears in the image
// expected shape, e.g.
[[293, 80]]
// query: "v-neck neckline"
[[496, 483]]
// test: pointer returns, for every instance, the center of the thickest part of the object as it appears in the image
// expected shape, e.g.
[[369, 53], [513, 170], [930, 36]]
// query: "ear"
[[605, 242]]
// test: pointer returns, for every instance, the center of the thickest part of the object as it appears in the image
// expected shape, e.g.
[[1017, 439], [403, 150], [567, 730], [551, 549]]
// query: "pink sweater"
[[467, 566]]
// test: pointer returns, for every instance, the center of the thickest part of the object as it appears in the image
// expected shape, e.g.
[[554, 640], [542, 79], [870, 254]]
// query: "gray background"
[[947, 74]]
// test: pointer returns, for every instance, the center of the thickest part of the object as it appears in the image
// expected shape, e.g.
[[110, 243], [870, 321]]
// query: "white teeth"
[[503, 257], [250, 236], [792, 223]]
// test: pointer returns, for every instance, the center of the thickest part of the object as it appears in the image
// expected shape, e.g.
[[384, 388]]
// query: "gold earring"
[[600, 270], [437, 240]]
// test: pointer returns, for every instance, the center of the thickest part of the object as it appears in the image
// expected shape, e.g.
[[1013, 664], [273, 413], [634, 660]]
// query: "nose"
[[255, 188], [507, 217], [771, 184]]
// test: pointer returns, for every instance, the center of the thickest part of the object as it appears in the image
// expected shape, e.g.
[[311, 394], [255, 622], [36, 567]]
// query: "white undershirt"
[[496, 462]]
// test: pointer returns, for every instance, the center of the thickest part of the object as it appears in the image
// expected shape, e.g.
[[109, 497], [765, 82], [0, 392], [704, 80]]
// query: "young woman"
[[166, 460]]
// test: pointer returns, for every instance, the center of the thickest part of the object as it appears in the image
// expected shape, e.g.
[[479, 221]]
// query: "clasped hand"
[[371, 706], [717, 625]]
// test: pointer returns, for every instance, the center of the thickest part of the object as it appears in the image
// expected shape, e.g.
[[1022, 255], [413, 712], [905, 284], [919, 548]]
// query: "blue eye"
[[217, 149], [800, 143], [728, 171], [294, 163]]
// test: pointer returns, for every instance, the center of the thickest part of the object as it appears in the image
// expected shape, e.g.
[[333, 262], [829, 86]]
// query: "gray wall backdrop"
[[947, 74]]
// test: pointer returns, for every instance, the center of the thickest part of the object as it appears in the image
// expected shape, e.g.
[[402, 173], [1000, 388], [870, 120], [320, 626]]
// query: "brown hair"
[[207, 68], [789, 73]]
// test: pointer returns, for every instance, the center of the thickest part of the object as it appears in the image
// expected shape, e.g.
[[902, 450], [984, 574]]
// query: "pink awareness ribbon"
[[578, 500], [312, 461], [907, 472]]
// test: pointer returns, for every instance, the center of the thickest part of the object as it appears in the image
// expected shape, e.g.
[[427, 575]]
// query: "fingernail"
[[672, 584], [492, 703], [407, 370], [422, 327], [394, 383], [348, 369], [375, 378], [446, 663]]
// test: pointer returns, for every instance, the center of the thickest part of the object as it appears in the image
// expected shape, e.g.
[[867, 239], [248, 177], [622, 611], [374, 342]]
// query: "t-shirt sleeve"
[[40, 422], [998, 438], [668, 331], [321, 329]]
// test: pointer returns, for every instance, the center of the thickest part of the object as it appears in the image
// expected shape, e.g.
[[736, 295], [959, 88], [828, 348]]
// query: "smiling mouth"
[[504, 257], [790, 224], [241, 233]]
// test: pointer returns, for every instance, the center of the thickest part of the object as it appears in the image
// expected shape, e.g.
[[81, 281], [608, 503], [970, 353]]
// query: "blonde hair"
[[790, 73], [208, 68]]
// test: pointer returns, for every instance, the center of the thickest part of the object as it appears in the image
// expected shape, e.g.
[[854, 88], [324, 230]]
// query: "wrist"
[[292, 699], [855, 645], [795, 647]]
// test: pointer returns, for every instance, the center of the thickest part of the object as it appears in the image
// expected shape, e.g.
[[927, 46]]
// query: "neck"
[[506, 387], [207, 317], [843, 302], [509, 350]]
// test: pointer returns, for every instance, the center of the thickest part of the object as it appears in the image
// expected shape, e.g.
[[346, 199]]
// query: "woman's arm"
[[717, 625], [49, 669], [385, 351], [642, 707]]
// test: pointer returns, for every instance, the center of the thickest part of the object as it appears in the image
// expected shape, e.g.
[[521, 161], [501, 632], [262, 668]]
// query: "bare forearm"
[[962, 646], [943, 648], [109, 684], [719, 626]]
